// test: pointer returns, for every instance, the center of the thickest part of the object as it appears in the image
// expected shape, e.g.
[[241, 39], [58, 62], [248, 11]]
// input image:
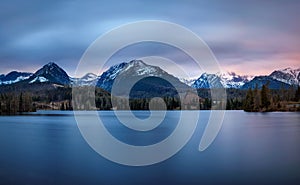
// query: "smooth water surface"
[[251, 148]]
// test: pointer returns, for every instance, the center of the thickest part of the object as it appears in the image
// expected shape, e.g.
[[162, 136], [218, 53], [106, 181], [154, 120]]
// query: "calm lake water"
[[251, 148]]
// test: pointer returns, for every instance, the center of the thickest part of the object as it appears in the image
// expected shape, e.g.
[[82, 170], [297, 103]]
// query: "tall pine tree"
[[297, 94], [249, 101], [265, 97]]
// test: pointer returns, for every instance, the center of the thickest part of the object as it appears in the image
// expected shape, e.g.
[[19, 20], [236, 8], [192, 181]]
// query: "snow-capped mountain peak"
[[52, 73], [208, 81], [139, 68], [291, 71], [233, 80], [107, 78], [90, 79], [134, 67], [287, 75], [48, 68], [113, 71], [188, 82], [131, 69], [136, 63], [226, 80]]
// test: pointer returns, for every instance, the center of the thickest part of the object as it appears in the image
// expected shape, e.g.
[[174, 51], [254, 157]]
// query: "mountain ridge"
[[14, 77], [52, 73]]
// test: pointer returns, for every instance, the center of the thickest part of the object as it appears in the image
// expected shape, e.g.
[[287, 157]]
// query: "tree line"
[[14, 103], [265, 99], [60, 98]]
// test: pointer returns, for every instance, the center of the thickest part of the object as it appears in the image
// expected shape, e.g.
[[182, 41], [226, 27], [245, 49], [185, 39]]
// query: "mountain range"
[[53, 74], [13, 77]]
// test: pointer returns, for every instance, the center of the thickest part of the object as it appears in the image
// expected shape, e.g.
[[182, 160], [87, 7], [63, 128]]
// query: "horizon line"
[[105, 69]]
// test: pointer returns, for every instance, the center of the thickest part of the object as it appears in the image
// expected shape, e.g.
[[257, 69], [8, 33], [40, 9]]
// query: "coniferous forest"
[[16, 101], [265, 99]]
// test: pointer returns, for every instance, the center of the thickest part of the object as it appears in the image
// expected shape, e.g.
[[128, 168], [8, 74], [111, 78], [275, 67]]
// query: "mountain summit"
[[224, 80], [287, 75], [134, 69], [107, 78], [51, 72], [90, 79], [139, 68]]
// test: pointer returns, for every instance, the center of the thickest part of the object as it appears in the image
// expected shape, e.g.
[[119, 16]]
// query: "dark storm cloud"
[[34, 32]]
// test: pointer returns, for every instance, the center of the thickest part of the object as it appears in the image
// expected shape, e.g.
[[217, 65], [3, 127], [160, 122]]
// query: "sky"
[[247, 37]]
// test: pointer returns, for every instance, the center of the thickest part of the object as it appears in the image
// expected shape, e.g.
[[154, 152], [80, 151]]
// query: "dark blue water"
[[251, 148]]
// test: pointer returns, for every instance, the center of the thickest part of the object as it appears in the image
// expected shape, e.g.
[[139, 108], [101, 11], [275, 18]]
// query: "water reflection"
[[252, 148]]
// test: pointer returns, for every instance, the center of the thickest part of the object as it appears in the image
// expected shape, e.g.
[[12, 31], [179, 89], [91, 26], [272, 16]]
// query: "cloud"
[[240, 33]]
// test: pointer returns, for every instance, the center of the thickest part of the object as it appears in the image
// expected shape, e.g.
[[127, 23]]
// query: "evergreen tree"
[[249, 101], [228, 105], [207, 104], [265, 97], [62, 106], [257, 103], [297, 94], [21, 103]]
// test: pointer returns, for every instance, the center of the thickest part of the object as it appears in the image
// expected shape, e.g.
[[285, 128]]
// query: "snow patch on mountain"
[[20, 78], [14, 77], [233, 80], [107, 78], [208, 81], [130, 70], [288, 75], [139, 68], [40, 79], [53, 73], [90, 79], [224, 80], [188, 82]]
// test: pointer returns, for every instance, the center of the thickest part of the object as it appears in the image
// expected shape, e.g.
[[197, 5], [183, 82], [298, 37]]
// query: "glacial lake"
[[252, 148]]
